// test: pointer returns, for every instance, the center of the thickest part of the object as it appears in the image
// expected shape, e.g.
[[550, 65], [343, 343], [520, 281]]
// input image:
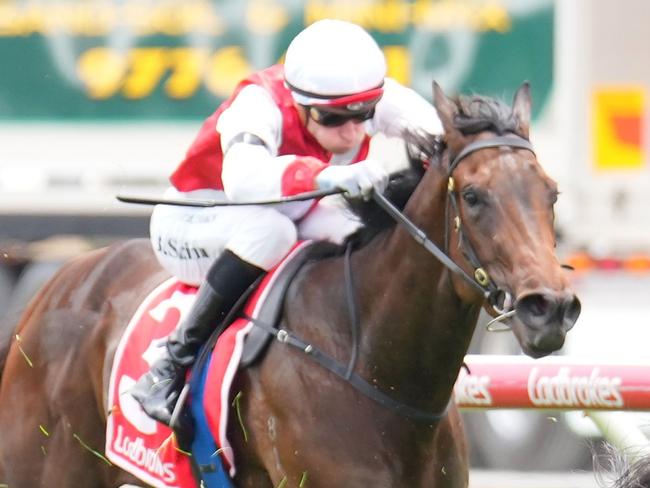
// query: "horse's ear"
[[445, 107], [447, 111], [521, 106]]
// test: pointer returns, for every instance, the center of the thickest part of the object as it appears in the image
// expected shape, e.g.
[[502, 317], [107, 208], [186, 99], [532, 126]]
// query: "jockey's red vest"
[[201, 167]]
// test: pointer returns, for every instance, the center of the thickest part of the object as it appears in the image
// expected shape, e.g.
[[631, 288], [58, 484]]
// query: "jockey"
[[285, 130]]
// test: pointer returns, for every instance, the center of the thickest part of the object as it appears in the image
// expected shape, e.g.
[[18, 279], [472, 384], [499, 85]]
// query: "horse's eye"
[[470, 197]]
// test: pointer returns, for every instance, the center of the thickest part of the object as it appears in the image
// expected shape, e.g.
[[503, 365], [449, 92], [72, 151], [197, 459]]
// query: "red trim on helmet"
[[365, 96]]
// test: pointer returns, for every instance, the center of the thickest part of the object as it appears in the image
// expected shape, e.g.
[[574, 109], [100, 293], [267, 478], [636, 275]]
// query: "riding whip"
[[310, 195]]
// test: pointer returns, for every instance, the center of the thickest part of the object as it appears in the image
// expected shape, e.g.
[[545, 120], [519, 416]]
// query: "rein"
[[481, 282]]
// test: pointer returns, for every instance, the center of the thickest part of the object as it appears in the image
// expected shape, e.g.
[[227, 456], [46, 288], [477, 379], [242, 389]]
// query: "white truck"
[[594, 140]]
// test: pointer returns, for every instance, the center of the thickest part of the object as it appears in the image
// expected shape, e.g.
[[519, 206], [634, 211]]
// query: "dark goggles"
[[336, 118]]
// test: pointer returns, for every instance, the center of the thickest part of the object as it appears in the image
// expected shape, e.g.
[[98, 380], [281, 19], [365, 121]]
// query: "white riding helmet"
[[335, 63]]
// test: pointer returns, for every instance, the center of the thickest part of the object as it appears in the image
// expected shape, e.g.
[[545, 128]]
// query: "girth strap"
[[328, 362]]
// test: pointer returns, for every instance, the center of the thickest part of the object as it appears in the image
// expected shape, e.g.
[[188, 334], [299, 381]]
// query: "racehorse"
[[479, 194]]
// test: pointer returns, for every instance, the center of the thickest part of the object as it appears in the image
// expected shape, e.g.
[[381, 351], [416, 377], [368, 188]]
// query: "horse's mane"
[[475, 114]]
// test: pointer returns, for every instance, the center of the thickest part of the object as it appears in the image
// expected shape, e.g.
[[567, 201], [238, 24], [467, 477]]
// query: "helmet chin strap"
[[305, 118], [303, 113]]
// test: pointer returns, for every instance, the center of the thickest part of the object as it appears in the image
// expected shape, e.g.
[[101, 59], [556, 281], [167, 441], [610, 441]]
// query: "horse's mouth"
[[539, 343], [536, 352]]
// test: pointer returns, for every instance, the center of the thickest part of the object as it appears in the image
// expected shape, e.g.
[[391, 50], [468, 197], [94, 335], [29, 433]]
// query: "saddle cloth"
[[146, 448]]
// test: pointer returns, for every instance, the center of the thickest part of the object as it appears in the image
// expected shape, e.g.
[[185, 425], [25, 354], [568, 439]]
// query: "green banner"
[[173, 59]]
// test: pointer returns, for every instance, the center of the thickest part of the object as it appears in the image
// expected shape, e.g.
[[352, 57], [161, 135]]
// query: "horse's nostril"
[[540, 309], [572, 308], [536, 305]]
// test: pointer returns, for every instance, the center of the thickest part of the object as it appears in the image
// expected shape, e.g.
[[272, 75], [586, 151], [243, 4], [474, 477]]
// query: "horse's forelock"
[[475, 114], [478, 114], [423, 148]]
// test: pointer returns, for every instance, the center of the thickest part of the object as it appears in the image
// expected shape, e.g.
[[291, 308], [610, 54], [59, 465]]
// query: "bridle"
[[491, 291], [481, 280]]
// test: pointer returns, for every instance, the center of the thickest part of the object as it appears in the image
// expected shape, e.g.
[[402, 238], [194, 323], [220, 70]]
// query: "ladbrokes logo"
[[566, 390], [149, 459], [472, 389]]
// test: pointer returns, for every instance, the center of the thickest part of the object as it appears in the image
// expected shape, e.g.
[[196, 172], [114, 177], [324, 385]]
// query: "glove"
[[359, 179]]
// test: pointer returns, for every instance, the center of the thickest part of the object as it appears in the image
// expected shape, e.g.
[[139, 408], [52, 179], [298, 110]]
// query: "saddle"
[[270, 311], [256, 318]]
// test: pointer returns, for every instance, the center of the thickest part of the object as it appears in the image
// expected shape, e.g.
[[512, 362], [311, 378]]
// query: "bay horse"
[[479, 193]]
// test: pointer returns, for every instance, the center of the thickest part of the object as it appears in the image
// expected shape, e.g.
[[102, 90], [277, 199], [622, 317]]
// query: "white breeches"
[[187, 240]]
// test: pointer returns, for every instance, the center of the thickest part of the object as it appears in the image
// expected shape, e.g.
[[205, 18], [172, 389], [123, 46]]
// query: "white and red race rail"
[[555, 382]]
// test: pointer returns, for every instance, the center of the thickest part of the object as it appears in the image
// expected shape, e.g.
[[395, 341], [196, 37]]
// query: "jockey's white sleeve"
[[253, 111], [252, 172], [403, 108]]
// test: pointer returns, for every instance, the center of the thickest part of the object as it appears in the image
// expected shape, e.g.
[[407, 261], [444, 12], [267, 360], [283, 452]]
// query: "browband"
[[509, 141]]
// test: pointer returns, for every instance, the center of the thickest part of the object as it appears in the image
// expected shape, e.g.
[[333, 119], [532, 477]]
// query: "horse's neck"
[[415, 327]]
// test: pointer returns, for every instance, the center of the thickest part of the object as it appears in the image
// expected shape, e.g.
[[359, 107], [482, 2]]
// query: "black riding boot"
[[157, 391]]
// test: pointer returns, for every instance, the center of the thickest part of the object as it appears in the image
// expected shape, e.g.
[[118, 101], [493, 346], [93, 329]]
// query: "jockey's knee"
[[186, 242], [266, 245]]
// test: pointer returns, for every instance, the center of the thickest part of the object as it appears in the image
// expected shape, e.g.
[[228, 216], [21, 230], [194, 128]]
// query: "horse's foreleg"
[[21, 415], [248, 432], [451, 467]]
